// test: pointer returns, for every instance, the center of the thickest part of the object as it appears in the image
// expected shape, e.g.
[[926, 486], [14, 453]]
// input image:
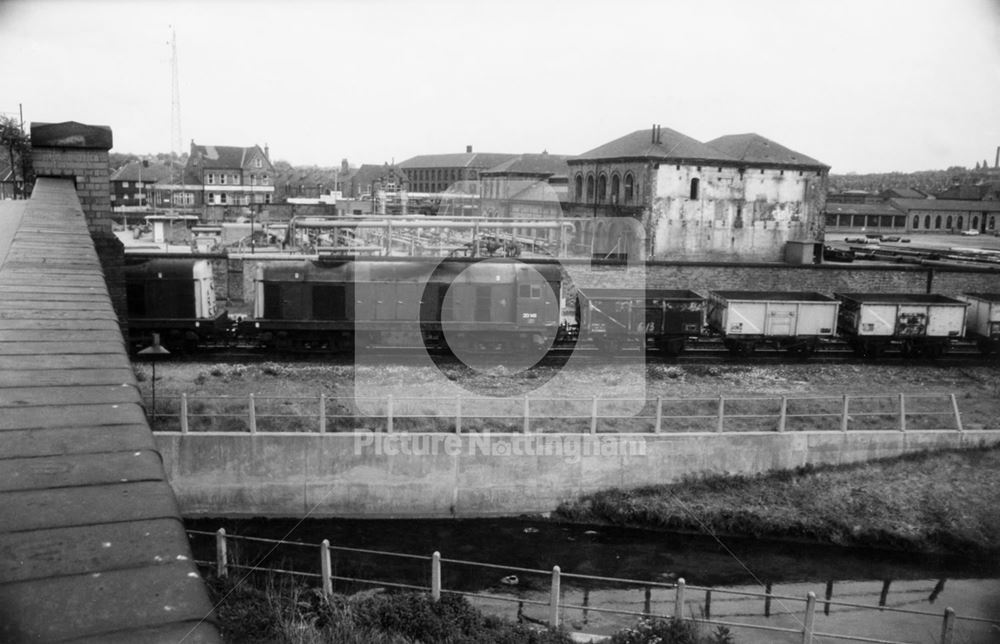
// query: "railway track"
[[703, 351]]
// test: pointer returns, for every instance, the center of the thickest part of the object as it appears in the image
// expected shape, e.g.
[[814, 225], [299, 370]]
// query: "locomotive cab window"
[[524, 290], [536, 291]]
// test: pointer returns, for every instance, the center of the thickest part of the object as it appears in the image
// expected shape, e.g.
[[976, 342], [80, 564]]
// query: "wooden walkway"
[[92, 547]]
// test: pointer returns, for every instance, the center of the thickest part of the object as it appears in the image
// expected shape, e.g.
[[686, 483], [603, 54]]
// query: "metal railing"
[[323, 413], [555, 607]]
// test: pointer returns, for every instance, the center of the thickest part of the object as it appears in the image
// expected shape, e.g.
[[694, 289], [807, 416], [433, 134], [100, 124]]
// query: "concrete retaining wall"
[[470, 475]]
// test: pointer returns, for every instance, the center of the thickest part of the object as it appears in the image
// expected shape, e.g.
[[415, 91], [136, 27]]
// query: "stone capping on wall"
[[71, 134]]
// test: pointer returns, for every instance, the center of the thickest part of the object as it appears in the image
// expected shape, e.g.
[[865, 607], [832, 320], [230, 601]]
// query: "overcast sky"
[[862, 85]]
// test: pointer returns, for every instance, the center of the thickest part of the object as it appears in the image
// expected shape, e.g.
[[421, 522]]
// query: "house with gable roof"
[[221, 179], [737, 197]]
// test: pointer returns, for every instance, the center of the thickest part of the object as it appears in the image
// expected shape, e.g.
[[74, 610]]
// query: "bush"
[[658, 631]]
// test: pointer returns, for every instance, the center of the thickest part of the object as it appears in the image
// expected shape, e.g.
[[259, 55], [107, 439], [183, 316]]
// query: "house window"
[[916, 223], [947, 222], [694, 188], [927, 222], [590, 187], [124, 197], [222, 197], [263, 179], [222, 178], [258, 163], [578, 186], [267, 198], [602, 188], [937, 222], [124, 184], [960, 222], [975, 223], [993, 223], [629, 188], [615, 185]]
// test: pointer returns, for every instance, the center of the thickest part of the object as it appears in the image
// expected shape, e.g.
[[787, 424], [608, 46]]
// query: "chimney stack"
[[996, 164], [267, 152], [468, 149]]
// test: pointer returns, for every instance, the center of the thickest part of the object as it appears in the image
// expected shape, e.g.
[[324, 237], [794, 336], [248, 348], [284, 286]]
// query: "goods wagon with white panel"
[[795, 321], [983, 321], [918, 323]]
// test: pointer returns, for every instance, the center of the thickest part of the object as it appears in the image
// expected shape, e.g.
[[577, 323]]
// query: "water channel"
[[869, 577]]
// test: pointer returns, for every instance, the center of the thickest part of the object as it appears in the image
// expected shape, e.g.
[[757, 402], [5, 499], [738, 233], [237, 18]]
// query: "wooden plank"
[[57, 609], [65, 377], [71, 416], [78, 439], [51, 314], [7, 324], [117, 359], [60, 348], [56, 288], [14, 397], [84, 549], [41, 473], [75, 506], [56, 297], [13, 304], [84, 336]]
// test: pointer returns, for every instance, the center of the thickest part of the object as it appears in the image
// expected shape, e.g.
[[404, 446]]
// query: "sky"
[[861, 85]]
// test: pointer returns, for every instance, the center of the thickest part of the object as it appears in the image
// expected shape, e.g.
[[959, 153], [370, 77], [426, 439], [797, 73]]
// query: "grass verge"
[[942, 502]]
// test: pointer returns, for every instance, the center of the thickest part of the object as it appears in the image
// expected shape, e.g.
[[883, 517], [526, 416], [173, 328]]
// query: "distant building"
[[736, 197], [434, 173], [949, 215], [132, 184], [371, 178], [864, 217], [220, 179], [526, 186], [307, 182], [984, 191]]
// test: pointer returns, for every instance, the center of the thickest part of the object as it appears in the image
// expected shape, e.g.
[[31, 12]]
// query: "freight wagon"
[[662, 319], [983, 320], [793, 321], [918, 323]]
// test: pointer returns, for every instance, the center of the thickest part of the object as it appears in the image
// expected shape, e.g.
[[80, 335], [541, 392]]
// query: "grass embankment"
[[279, 610], [943, 502]]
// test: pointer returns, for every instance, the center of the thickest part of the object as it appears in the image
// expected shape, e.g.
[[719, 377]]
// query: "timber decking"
[[92, 547]]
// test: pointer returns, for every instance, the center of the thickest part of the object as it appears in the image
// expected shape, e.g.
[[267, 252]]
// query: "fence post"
[[844, 416], [458, 415], [593, 415], [221, 566], [436, 576], [527, 422], [253, 415], [948, 625], [647, 603], [784, 413], [902, 413], [658, 427], [829, 595], [807, 627], [322, 413], [586, 603], [679, 599], [708, 603], [767, 599], [554, 597], [184, 413], [958, 416], [722, 413], [389, 412], [325, 567]]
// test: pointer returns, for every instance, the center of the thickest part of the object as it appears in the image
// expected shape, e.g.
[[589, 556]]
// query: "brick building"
[[132, 184], [218, 180], [433, 173], [526, 186], [736, 197]]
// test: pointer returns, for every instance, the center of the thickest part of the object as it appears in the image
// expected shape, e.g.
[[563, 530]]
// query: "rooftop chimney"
[[267, 152], [468, 149], [996, 164]]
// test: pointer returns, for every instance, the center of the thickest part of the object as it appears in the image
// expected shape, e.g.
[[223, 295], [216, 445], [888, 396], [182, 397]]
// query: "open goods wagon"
[[794, 321], [664, 319], [918, 323], [983, 320]]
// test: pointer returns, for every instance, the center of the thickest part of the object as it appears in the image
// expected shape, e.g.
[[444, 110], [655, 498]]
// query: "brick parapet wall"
[[80, 152]]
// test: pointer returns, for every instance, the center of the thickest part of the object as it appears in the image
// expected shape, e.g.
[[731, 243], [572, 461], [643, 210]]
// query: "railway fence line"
[[777, 413], [688, 602]]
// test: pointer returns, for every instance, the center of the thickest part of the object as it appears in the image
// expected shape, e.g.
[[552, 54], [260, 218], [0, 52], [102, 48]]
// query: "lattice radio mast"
[[175, 115]]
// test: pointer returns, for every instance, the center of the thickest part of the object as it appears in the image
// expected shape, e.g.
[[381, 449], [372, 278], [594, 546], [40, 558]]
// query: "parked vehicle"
[[794, 321], [972, 232]]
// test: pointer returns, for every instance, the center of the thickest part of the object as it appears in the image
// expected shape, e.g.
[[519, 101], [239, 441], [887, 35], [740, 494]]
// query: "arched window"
[[602, 188], [578, 185], [590, 187], [975, 223], [916, 223], [927, 222], [694, 187], [993, 223], [947, 222], [960, 222], [937, 223], [615, 185], [629, 188]]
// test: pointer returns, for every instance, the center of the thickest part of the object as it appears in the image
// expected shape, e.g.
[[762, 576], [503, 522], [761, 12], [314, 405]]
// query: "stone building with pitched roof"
[[435, 173], [737, 197]]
